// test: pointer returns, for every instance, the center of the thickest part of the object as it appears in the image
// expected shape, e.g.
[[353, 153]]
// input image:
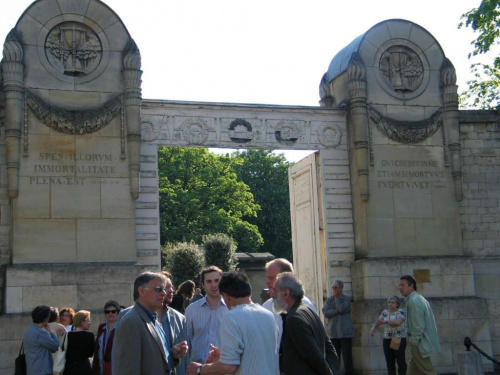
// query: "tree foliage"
[[200, 194], [183, 260], [267, 176], [484, 88], [220, 251]]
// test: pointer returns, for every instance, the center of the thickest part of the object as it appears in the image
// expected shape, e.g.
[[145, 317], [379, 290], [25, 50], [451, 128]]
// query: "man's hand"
[[213, 354], [180, 350], [192, 368]]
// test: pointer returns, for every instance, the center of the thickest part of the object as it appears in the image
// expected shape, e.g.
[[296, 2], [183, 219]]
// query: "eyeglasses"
[[158, 289], [110, 312]]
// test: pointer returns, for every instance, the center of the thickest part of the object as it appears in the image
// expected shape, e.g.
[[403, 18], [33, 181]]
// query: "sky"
[[261, 51]]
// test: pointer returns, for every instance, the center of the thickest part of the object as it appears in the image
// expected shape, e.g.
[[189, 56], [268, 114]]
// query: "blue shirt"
[[38, 345], [203, 328]]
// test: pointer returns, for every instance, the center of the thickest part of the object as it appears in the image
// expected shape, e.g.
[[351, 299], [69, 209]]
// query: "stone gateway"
[[402, 181]]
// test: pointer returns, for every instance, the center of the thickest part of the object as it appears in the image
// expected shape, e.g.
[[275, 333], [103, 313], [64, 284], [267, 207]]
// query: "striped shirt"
[[203, 328], [249, 340], [38, 344]]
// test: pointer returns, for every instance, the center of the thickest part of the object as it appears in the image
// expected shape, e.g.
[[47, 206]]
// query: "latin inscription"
[[409, 174], [90, 164]]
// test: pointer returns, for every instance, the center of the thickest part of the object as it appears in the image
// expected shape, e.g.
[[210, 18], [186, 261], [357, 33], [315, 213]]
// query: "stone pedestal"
[[470, 363]]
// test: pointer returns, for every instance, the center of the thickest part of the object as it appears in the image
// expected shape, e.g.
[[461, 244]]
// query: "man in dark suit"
[[141, 344], [306, 346]]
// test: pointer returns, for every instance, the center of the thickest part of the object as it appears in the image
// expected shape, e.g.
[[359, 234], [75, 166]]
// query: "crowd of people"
[[225, 332]]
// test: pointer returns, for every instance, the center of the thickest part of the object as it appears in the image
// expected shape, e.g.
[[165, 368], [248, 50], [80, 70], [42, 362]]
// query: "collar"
[[151, 315], [410, 295], [219, 304]]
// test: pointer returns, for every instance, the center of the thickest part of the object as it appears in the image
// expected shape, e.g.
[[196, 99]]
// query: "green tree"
[[183, 260], [267, 176], [220, 251], [200, 194], [484, 88]]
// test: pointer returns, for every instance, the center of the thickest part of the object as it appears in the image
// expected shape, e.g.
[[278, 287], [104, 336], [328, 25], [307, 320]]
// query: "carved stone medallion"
[[401, 68], [330, 135], [73, 49], [149, 131], [240, 131], [195, 131], [286, 133]]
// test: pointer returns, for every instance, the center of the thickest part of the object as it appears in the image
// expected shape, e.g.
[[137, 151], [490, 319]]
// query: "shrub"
[[220, 251], [184, 260]]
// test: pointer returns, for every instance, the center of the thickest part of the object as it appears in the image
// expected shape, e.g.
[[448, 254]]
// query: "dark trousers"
[[393, 356], [343, 347]]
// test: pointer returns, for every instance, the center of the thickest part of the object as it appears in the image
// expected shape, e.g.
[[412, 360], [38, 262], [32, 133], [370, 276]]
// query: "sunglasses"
[[158, 288], [110, 312]]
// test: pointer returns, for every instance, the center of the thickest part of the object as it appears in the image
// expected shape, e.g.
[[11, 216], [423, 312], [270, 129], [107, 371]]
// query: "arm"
[[302, 339], [329, 310], [127, 355], [48, 340], [417, 320], [213, 368], [343, 304], [331, 357]]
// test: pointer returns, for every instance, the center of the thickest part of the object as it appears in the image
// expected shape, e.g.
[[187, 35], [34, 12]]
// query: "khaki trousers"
[[418, 365]]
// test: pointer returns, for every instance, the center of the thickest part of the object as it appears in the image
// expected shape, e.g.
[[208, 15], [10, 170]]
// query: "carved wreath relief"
[[240, 131], [330, 135], [401, 68], [286, 133], [73, 49], [195, 131]]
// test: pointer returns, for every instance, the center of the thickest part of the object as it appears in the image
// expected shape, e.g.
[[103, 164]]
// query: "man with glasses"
[[337, 308], [141, 344], [173, 323]]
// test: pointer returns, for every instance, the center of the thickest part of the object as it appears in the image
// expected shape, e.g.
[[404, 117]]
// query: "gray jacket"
[[338, 311]]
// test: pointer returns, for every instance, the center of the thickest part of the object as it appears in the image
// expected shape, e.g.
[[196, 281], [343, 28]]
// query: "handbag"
[[20, 363], [60, 360], [395, 343]]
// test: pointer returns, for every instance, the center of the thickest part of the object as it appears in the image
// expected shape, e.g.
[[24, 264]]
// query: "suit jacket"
[[178, 332], [339, 313], [139, 348], [306, 346], [107, 353]]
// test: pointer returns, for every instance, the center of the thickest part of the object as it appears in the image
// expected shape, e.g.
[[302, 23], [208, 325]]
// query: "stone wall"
[[480, 209]]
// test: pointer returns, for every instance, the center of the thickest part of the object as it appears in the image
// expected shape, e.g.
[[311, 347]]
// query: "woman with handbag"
[[394, 343], [80, 346]]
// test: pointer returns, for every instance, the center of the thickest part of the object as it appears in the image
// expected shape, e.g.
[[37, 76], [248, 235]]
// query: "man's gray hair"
[[144, 279], [339, 283], [287, 280]]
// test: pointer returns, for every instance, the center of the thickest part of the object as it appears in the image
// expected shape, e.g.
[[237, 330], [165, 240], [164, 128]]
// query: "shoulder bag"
[[395, 343], [60, 360], [20, 363]]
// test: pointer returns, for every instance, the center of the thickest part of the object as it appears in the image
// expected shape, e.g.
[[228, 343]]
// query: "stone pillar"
[[359, 120], [451, 125], [132, 96], [469, 363], [13, 88]]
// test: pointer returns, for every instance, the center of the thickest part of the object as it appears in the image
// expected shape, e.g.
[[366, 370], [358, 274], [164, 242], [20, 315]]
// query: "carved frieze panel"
[[406, 131], [194, 130], [150, 131], [287, 133], [73, 49], [329, 135], [240, 131]]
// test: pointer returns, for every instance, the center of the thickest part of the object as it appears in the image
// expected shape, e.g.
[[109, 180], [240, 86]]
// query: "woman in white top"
[[393, 319]]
